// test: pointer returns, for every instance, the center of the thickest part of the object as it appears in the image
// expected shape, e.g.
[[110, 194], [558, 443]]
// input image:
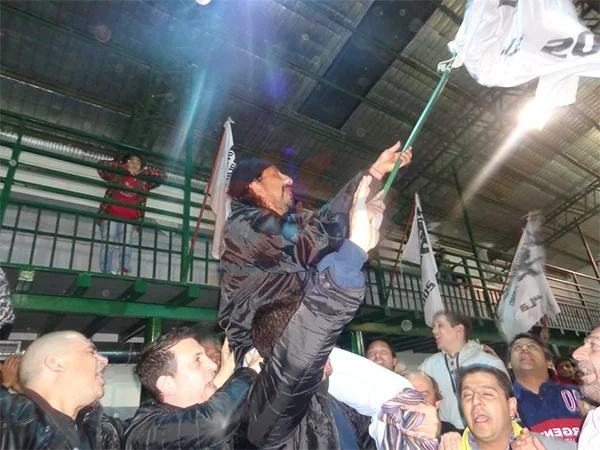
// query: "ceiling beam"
[[73, 33], [280, 61], [76, 94], [446, 141], [342, 21], [315, 76], [242, 42], [282, 116], [564, 217]]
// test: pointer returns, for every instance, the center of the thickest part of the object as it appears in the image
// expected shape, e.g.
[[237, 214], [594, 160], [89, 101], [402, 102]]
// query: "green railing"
[[462, 290], [49, 211]]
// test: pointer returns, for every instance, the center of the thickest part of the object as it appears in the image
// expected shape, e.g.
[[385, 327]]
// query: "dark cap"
[[245, 173]]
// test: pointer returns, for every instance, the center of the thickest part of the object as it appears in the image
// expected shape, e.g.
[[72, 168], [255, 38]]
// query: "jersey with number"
[[553, 412]]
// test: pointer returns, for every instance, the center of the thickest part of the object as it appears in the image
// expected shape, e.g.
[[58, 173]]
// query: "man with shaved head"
[[62, 378]]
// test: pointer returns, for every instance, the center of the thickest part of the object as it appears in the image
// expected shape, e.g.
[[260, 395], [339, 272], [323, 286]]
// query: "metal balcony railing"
[[49, 205]]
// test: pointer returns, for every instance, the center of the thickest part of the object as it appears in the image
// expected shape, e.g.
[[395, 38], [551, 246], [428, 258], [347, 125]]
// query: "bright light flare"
[[535, 115], [203, 2]]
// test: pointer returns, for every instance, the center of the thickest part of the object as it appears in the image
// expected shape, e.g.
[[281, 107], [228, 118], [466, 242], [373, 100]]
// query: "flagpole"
[[188, 258], [393, 272], [445, 67]]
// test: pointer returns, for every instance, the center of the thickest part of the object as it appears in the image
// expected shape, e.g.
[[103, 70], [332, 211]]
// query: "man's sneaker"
[[125, 272]]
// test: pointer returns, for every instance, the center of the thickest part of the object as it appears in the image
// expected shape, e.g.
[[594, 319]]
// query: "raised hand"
[[227, 365], [525, 441], [253, 360], [386, 161], [450, 441], [10, 372], [365, 219]]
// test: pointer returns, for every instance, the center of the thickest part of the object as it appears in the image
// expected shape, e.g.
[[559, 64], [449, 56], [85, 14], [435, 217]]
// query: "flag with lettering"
[[418, 250], [220, 202], [510, 42], [527, 296]]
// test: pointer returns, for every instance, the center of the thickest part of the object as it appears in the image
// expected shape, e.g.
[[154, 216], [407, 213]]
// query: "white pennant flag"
[[418, 250], [510, 42], [527, 297], [220, 202]]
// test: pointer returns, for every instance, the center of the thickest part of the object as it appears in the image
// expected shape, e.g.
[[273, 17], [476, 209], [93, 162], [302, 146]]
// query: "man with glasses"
[[545, 407]]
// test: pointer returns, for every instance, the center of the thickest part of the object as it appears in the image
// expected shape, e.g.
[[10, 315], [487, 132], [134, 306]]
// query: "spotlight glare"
[[203, 2], [535, 115]]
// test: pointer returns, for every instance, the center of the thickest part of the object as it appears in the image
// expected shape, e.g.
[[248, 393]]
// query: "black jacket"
[[29, 422], [287, 407], [209, 425], [318, 429], [266, 256]]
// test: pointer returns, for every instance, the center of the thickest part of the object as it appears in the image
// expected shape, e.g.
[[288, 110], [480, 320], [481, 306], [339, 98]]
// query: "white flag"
[[527, 297], [220, 202], [510, 42], [418, 250]]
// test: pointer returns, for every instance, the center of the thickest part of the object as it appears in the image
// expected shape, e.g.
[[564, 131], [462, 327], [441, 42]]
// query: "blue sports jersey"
[[553, 412]]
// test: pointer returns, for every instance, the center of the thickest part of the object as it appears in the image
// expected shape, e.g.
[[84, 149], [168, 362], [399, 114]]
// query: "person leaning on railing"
[[118, 231]]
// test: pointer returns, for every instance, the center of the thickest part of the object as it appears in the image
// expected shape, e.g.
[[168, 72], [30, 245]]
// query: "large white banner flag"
[[220, 202], [527, 297], [418, 250], [510, 42]]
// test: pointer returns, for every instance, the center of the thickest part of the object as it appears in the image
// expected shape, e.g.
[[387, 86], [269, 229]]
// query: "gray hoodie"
[[435, 366]]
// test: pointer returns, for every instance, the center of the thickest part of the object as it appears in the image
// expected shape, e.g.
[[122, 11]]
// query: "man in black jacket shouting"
[[268, 248], [288, 404], [190, 408], [62, 378]]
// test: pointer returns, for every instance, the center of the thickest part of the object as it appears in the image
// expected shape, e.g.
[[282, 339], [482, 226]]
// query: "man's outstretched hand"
[[386, 161], [365, 218]]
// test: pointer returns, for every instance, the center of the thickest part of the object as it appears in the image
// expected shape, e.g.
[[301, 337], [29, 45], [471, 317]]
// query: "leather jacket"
[[289, 407], [209, 425], [29, 422], [268, 256]]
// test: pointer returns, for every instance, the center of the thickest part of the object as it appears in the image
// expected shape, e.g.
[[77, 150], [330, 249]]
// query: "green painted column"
[[153, 329], [186, 259], [151, 334], [465, 265], [358, 345], [486, 294], [381, 288], [187, 198], [10, 174], [588, 251]]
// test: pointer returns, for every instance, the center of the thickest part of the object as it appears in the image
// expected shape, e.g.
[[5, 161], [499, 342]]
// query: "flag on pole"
[[220, 202], [527, 296], [418, 250], [510, 42]]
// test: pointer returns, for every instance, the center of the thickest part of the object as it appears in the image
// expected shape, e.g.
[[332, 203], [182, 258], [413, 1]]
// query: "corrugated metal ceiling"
[[88, 65]]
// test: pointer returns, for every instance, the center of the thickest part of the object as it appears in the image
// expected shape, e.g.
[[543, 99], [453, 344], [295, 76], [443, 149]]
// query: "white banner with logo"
[[418, 250], [527, 297], [510, 42], [219, 200]]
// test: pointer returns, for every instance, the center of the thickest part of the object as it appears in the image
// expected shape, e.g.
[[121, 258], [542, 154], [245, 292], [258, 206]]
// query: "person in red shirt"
[[117, 235], [566, 372]]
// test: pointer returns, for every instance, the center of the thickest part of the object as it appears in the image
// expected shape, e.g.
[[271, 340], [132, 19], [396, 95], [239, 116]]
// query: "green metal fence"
[[49, 208], [50, 221]]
